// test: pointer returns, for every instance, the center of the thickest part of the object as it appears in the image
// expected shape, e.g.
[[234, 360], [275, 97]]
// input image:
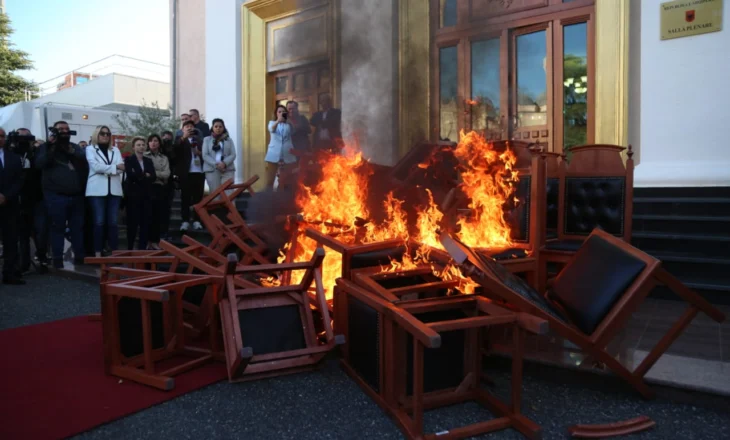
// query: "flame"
[[336, 206], [488, 182]]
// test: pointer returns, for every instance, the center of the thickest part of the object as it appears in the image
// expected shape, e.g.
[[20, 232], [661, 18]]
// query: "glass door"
[[532, 85], [488, 101]]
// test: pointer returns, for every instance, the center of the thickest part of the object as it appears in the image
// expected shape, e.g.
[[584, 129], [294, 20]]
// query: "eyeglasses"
[[104, 133]]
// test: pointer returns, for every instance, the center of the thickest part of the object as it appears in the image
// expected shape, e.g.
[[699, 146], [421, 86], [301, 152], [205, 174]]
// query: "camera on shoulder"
[[20, 143]]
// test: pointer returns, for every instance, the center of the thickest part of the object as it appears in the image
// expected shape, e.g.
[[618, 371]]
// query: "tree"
[[150, 119], [13, 88]]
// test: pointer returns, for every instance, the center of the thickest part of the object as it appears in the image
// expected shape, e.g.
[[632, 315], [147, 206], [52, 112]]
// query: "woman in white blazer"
[[280, 146], [219, 156], [104, 187]]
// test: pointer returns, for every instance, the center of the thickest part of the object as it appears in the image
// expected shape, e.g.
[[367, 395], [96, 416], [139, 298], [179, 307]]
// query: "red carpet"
[[52, 382]]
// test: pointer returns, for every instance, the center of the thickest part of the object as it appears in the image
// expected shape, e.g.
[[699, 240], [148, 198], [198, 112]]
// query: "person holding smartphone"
[[280, 147], [189, 169]]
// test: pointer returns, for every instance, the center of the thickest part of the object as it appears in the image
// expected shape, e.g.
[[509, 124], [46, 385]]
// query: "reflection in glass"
[[531, 79], [281, 84], [575, 85], [485, 87], [448, 58], [448, 13]]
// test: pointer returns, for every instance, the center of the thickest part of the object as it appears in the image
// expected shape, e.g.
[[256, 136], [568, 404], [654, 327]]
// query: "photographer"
[[280, 146], [189, 171], [64, 166], [11, 183], [33, 215]]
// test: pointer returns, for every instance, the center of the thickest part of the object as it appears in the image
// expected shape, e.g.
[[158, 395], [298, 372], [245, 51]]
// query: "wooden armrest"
[[138, 292], [325, 240]]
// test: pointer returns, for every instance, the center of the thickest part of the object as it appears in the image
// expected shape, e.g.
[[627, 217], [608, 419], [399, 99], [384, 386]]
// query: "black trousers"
[[138, 220], [9, 218], [192, 189], [158, 207], [33, 223], [169, 195]]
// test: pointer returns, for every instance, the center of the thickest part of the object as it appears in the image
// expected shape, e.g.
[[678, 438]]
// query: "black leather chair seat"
[[520, 287], [377, 258], [564, 245], [551, 234], [510, 254], [589, 287]]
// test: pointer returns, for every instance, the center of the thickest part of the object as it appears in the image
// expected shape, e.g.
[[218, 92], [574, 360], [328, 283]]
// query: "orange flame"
[[335, 204]]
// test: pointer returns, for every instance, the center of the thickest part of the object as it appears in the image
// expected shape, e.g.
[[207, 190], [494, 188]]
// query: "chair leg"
[[618, 368], [666, 341]]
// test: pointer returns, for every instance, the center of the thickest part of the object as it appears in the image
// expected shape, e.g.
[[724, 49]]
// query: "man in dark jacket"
[[33, 216], [11, 183], [202, 127], [189, 171], [62, 164], [327, 129]]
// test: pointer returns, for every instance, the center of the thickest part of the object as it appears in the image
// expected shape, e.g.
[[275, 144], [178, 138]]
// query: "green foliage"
[[575, 110], [150, 119], [13, 87]]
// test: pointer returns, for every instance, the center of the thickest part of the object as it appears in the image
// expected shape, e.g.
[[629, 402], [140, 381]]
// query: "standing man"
[[11, 182], [327, 129], [202, 127], [302, 129], [62, 164]]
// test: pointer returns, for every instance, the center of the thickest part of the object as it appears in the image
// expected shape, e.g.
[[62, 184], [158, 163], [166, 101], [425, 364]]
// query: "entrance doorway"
[[529, 79], [307, 85]]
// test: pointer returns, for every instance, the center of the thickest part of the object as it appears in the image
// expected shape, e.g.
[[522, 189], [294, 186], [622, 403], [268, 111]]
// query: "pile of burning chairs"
[[408, 338]]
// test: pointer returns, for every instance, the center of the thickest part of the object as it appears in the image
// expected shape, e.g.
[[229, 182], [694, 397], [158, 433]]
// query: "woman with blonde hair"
[[104, 187]]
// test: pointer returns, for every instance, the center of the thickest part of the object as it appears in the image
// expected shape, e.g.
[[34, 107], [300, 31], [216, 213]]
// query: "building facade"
[[561, 72]]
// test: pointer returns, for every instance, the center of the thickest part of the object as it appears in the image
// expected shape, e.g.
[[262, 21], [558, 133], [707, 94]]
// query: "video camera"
[[20, 143], [54, 132]]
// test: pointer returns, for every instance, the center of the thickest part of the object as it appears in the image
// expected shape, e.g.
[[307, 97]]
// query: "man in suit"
[[11, 182], [327, 130], [201, 126]]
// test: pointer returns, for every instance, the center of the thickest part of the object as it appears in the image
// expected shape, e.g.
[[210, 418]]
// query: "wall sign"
[[683, 18]]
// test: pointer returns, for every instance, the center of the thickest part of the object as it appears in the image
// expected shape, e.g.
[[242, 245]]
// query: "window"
[[575, 85], [448, 84], [485, 87]]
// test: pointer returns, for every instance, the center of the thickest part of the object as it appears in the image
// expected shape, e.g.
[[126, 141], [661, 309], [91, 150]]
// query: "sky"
[[63, 35]]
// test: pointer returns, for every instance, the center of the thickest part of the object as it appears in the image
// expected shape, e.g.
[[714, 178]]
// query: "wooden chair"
[[218, 209], [418, 355], [595, 190], [143, 326], [592, 298], [270, 331]]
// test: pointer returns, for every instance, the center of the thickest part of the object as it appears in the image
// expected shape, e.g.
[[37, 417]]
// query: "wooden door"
[[306, 85]]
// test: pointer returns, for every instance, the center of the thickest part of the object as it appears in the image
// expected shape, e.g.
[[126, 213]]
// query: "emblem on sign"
[[689, 16]]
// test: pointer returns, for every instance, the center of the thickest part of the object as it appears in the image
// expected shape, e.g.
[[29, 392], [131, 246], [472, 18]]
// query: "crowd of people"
[[56, 190]]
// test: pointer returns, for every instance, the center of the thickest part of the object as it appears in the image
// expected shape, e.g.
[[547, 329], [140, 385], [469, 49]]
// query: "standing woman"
[[219, 155], [140, 176], [158, 195], [280, 146], [104, 187]]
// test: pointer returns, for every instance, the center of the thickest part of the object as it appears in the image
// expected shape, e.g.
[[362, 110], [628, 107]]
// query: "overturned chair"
[[592, 298], [270, 331]]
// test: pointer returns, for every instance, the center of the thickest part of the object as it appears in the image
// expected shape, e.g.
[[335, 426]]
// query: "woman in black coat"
[[140, 175]]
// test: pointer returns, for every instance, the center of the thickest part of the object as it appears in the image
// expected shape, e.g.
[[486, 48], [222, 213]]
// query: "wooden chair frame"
[[224, 197], [397, 319], [164, 288], [595, 344], [242, 362], [591, 161]]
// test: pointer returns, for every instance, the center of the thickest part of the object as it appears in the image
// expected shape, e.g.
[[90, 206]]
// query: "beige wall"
[[190, 53], [136, 91]]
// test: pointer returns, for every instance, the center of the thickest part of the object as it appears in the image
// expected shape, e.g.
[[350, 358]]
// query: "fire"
[[488, 182], [336, 206]]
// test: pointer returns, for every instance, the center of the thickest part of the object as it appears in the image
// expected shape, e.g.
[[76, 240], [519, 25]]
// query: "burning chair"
[[411, 356], [143, 327], [271, 331], [594, 190], [592, 298]]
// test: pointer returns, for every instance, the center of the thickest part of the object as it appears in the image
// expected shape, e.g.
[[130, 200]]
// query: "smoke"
[[369, 75]]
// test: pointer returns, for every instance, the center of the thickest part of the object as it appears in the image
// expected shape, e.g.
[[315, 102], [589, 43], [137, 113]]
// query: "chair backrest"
[[596, 190]]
